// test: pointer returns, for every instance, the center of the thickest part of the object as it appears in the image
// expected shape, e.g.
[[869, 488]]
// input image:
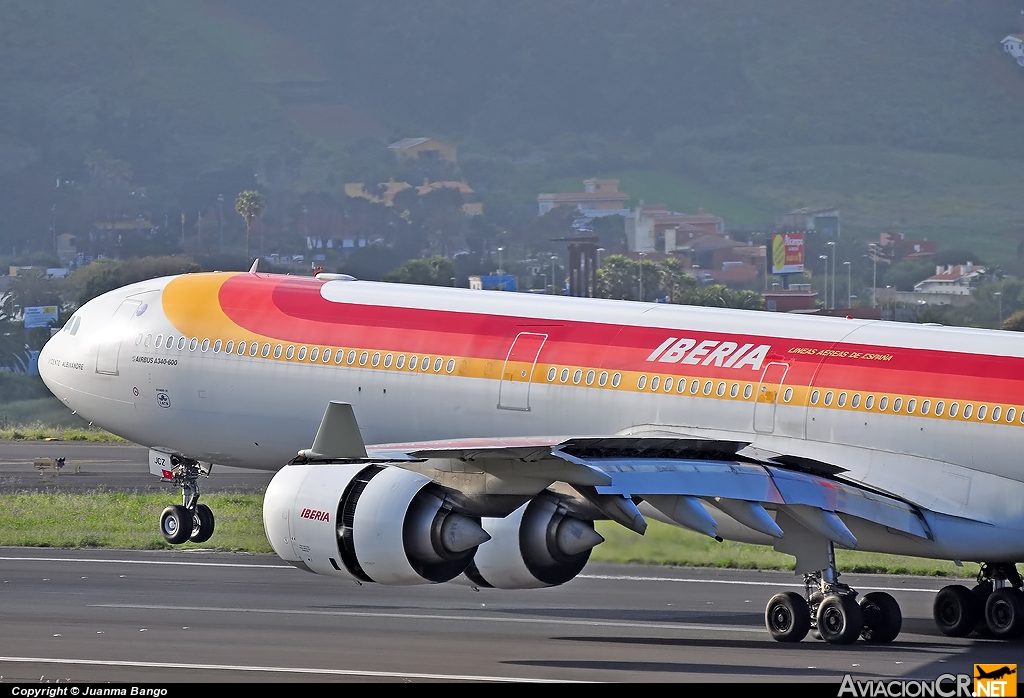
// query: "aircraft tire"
[[787, 617], [956, 610], [176, 524], [202, 524], [882, 618], [840, 620], [1004, 613]]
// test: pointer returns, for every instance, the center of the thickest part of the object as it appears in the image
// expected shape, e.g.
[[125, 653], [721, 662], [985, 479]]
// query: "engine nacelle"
[[370, 523], [537, 545]]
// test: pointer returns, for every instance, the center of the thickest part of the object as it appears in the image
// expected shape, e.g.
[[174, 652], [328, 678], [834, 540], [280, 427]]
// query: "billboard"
[[786, 253], [40, 316]]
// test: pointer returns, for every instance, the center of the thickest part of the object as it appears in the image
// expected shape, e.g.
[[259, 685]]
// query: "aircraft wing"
[[662, 471], [679, 480]]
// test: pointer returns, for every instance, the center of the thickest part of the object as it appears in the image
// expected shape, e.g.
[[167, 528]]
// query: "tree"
[[1015, 323], [436, 271], [249, 205]]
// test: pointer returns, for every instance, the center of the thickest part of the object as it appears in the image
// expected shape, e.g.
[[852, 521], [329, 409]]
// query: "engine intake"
[[347, 521]]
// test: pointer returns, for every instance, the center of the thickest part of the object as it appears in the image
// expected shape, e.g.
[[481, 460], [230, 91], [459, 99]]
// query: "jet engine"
[[369, 523], [538, 545]]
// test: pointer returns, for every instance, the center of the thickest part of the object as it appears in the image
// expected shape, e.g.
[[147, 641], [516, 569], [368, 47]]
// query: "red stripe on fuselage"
[[293, 311]]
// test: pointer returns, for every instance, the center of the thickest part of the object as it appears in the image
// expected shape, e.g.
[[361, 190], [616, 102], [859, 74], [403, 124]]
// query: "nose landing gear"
[[190, 520]]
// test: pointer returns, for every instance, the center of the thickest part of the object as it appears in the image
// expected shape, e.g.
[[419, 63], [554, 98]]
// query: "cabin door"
[[767, 398], [116, 330], [517, 373]]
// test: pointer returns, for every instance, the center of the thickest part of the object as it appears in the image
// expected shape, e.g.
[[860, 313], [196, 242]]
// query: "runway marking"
[[282, 670], [437, 617], [630, 578], [150, 562], [599, 577]]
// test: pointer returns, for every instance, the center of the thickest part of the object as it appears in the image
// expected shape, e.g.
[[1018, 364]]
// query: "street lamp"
[[305, 222], [642, 255], [553, 260], [220, 206], [825, 257], [832, 244], [453, 282], [999, 297], [500, 250], [849, 295], [874, 273], [599, 251]]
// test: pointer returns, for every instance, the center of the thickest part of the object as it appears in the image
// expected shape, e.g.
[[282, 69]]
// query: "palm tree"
[[249, 205]]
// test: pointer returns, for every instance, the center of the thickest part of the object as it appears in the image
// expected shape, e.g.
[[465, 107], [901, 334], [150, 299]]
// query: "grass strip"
[[47, 432], [129, 521]]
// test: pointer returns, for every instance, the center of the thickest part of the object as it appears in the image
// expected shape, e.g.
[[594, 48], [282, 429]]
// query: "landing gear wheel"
[[882, 618], [202, 524], [1004, 613], [956, 610], [787, 617], [176, 524], [839, 619]]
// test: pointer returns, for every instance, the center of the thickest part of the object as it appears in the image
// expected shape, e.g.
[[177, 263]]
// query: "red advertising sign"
[[786, 253]]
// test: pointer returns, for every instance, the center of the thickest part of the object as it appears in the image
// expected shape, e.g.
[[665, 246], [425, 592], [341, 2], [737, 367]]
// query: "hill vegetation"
[[905, 115]]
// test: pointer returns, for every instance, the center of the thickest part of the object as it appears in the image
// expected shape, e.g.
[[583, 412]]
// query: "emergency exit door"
[[767, 397], [517, 373]]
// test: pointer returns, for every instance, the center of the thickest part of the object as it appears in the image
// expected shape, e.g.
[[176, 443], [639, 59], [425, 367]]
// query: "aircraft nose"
[[47, 355]]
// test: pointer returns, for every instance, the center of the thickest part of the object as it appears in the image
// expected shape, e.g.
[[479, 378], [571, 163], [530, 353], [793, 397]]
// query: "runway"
[[101, 615], [104, 466]]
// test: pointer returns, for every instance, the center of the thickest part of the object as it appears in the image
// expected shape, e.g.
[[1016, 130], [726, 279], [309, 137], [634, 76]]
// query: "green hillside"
[[905, 115]]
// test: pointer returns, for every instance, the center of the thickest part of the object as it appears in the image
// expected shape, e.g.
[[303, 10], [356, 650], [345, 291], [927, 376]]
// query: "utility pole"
[[642, 255], [553, 260], [874, 273]]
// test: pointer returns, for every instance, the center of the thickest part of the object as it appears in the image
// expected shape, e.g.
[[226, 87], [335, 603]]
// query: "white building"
[[952, 279], [1014, 45]]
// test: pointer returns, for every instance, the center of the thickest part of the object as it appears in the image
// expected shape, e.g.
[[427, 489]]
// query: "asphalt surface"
[[158, 616], [163, 617], [103, 466]]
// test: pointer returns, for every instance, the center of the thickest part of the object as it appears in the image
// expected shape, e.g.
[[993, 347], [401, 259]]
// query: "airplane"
[[994, 674], [502, 425]]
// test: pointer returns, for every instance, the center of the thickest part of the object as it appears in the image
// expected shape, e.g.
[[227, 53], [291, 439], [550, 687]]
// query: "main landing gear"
[[190, 520], [831, 609], [995, 606]]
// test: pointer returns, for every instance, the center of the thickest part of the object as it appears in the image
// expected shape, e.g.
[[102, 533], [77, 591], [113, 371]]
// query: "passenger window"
[[302, 353], [254, 349], [315, 352], [450, 366], [564, 375], [277, 351], [326, 356], [424, 363], [227, 350], [290, 352], [814, 397], [241, 348], [616, 378], [735, 390], [748, 390], [641, 382], [668, 384], [437, 364], [551, 373], [193, 344], [602, 379], [842, 400], [351, 357], [266, 351], [590, 377], [388, 359]]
